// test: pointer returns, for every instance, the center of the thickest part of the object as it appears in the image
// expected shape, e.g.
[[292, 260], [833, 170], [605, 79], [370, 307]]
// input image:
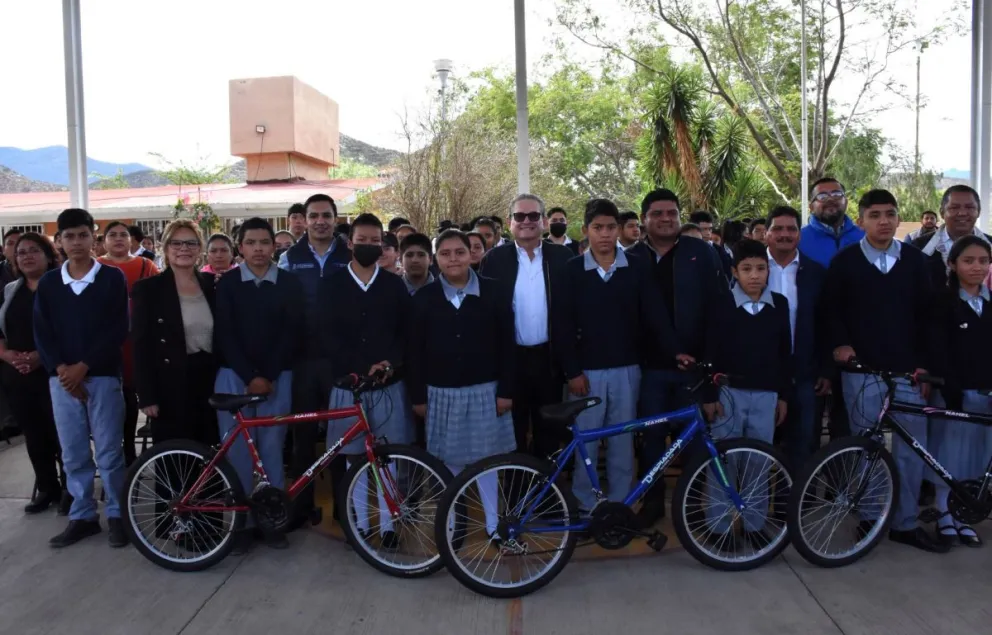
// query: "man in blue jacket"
[[829, 230], [318, 254]]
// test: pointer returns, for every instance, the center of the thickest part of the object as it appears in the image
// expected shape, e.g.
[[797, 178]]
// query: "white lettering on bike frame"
[[664, 461]]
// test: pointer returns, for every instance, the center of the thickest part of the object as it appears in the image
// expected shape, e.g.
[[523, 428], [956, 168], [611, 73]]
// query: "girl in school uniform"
[[965, 326], [461, 365]]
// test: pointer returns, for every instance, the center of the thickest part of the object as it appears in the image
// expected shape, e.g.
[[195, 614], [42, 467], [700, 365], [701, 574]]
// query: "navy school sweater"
[[258, 329], [90, 327], [883, 317]]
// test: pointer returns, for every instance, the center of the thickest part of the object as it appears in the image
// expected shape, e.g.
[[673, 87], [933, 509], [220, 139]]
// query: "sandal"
[[947, 534], [968, 537]]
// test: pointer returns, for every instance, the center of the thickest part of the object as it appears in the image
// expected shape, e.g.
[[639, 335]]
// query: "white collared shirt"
[[358, 281], [530, 304], [783, 280], [78, 286]]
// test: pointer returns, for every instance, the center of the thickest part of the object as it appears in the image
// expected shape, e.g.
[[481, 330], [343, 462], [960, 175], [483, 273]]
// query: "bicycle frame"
[[245, 424], [696, 427]]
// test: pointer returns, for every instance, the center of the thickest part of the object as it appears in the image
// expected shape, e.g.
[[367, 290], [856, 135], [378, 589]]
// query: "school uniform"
[[86, 320], [879, 304], [754, 349], [259, 322], [606, 316], [411, 288], [462, 359]]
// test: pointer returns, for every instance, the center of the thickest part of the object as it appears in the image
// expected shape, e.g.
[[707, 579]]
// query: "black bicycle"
[[842, 503]]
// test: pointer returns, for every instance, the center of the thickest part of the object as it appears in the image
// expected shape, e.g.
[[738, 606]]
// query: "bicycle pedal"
[[316, 516], [658, 541]]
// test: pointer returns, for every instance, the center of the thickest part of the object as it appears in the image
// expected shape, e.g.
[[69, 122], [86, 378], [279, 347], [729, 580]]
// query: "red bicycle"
[[184, 501]]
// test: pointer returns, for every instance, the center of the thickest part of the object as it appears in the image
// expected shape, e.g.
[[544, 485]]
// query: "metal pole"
[[985, 157], [75, 117], [804, 102], [976, 89], [523, 132]]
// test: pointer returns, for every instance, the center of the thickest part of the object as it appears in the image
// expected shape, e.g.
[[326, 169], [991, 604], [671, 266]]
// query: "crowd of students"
[[478, 331]]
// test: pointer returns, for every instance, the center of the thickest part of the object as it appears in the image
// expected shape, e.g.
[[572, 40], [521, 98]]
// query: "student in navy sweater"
[[964, 328], [80, 324], [260, 310], [364, 311], [877, 298]]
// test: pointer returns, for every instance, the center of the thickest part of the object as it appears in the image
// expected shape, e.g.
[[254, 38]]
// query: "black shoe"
[[65, 504], [76, 531], [970, 539], [242, 542], [651, 512], [918, 538], [116, 535], [41, 502], [390, 540]]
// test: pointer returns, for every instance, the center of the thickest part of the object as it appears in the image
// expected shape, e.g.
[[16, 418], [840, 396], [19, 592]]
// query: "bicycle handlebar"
[[717, 379], [361, 383], [914, 378]]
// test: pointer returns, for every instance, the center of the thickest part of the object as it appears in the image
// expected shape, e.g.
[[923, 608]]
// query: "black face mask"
[[557, 229], [367, 255]]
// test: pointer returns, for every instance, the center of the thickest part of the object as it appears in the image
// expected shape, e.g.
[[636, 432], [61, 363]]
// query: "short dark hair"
[[342, 229], [755, 223], [44, 244], [688, 227], [876, 197], [73, 218], [365, 220], [389, 240], [784, 210], [116, 223], [931, 212], [13, 231], [485, 222], [626, 217], [496, 219], [454, 233], [748, 248], [417, 240], [288, 233], [256, 223], [296, 208], [660, 194], [222, 237], [475, 234], [821, 181], [732, 232], [701, 217], [396, 223], [600, 207], [136, 232], [557, 210], [321, 198], [956, 189]]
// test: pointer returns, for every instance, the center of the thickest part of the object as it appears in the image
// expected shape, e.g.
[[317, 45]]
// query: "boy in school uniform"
[[80, 324], [609, 304], [261, 309], [366, 311], [877, 296], [415, 254]]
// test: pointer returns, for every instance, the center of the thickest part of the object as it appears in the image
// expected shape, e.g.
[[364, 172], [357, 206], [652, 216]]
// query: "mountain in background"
[[51, 164], [12, 182]]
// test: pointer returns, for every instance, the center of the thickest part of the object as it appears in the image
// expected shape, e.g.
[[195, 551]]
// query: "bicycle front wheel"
[[711, 528], [843, 501], [482, 503], [413, 480]]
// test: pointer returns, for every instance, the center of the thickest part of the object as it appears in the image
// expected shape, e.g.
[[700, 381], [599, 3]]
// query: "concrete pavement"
[[320, 586]]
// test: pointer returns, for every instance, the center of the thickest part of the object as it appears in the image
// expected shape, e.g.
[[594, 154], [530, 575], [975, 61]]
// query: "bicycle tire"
[[811, 468], [680, 523], [204, 453], [382, 451], [545, 468]]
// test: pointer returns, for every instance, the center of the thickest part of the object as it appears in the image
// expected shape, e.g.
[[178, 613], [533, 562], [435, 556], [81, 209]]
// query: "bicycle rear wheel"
[[413, 479], [826, 527], [191, 541], [480, 505], [708, 524]]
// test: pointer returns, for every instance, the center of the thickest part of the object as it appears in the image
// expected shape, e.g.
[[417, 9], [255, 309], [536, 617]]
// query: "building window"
[[39, 229], [153, 228]]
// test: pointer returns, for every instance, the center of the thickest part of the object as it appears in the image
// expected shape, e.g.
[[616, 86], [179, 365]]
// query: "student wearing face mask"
[[557, 228]]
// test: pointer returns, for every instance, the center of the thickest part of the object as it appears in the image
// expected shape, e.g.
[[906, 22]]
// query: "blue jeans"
[[661, 391], [617, 387], [100, 417], [268, 441]]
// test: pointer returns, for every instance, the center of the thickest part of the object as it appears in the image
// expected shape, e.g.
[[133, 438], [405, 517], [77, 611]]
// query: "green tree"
[[116, 182], [351, 169], [199, 173]]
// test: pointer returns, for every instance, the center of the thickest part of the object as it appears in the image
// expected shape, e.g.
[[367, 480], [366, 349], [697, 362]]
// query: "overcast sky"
[[156, 73]]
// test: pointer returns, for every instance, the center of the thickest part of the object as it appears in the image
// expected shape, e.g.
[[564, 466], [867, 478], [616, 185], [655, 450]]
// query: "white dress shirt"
[[78, 286], [783, 280], [530, 304]]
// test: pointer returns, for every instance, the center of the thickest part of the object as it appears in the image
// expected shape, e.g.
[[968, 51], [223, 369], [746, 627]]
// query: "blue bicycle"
[[507, 525]]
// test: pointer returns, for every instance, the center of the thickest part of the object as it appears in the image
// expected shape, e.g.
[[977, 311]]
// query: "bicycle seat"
[[567, 411], [233, 403]]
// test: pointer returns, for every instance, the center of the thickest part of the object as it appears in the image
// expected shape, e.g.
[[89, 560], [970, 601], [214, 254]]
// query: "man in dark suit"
[[692, 282], [959, 208], [800, 280], [530, 271]]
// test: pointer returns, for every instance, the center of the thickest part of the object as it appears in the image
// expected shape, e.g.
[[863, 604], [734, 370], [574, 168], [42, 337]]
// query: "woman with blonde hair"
[[172, 328]]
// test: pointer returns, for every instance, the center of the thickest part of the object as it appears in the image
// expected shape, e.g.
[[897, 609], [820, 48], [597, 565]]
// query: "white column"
[[523, 131], [804, 103], [984, 165], [976, 89], [75, 119]]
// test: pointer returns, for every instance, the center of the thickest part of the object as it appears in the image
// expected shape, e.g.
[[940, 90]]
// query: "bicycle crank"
[[969, 512], [272, 509]]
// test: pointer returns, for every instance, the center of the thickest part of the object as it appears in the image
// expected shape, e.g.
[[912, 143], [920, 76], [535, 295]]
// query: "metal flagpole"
[[75, 119], [805, 114], [523, 131]]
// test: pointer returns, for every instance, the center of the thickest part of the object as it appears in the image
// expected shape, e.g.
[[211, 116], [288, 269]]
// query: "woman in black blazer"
[[172, 330]]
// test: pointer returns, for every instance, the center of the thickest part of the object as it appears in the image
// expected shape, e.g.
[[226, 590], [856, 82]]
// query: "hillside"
[[12, 182], [51, 164]]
